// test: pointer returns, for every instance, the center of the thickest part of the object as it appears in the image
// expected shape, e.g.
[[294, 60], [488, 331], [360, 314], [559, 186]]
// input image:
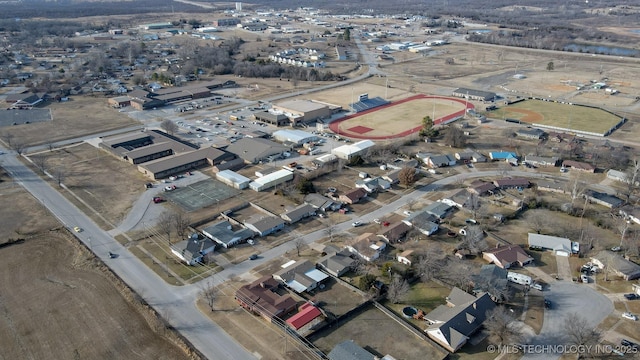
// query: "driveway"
[[564, 269], [568, 298]]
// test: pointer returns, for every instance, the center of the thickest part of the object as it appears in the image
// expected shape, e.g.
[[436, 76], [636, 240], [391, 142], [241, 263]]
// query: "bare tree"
[[575, 187], [299, 244], [331, 230], [474, 240], [455, 137], [501, 327], [165, 224], [579, 331], [430, 264], [398, 289], [458, 273], [181, 223], [40, 161], [411, 203], [59, 175], [169, 126], [632, 178], [18, 146], [473, 204], [537, 220], [210, 294], [407, 176], [622, 225]]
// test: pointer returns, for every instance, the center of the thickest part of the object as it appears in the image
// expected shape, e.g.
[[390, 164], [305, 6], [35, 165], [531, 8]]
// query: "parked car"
[[536, 286], [253, 256], [157, 199], [148, 185], [625, 342], [356, 223], [377, 221], [630, 316], [584, 278], [616, 248], [407, 212], [169, 188], [631, 296], [77, 229], [332, 189], [547, 304]]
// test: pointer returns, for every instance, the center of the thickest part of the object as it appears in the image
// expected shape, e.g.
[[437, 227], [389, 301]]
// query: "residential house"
[[260, 297], [436, 161], [552, 186], [480, 187], [604, 199], [266, 225], [615, 263], [422, 221], [503, 156], [336, 263], [321, 202], [620, 176], [192, 250], [396, 232], [298, 213], [438, 209], [458, 199], [631, 213], [368, 246], [471, 156], [373, 184], [451, 325], [306, 317], [511, 183], [491, 279], [222, 233], [348, 350], [353, 196], [559, 246], [534, 160], [399, 164], [405, 257], [579, 166], [507, 256], [393, 176], [531, 133], [300, 276]]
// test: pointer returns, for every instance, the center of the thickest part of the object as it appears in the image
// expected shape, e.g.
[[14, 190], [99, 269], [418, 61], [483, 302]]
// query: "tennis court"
[[201, 194]]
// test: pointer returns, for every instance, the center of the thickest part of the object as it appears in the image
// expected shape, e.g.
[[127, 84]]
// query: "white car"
[[356, 223], [377, 221], [407, 212], [630, 316], [536, 286]]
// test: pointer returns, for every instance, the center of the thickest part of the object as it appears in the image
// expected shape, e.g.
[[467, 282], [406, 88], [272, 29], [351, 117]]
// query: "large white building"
[[271, 180], [348, 151], [297, 137], [233, 179]]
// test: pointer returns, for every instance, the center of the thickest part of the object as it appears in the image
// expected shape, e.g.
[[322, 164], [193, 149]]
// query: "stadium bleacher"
[[365, 103]]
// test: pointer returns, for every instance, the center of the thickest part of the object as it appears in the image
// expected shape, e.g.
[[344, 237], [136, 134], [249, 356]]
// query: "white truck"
[[519, 278]]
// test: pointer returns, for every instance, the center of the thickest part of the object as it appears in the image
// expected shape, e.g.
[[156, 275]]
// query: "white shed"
[[233, 179], [271, 180]]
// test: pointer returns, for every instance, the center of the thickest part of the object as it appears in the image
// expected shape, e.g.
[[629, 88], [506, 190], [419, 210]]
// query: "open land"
[[71, 308]]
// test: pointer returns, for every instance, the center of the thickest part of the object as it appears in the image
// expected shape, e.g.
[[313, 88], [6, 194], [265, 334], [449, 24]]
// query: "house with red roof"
[[306, 317]]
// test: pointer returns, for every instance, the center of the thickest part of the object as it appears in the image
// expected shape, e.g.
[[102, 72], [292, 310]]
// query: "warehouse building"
[[268, 181], [304, 111], [297, 137], [233, 179], [349, 151], [254, 150]]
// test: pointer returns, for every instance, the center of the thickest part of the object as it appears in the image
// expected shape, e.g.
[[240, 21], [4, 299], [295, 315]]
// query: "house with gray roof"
[[615, 263], [321, 202], [423, 222], [535, 160], [507, 256], [395, 233], [472, 156], [438, 209], [367, 246], [222, 233], [440, 160], [300, 276], [480, 187], [451, 325], [458, 199], [559, 246], [266, 225], [491, 278], [631, 213], [530, 133], [336, 263], [254, 150], [298, 213], [349, 350], [373, 184], [604, 199], [192, 250]]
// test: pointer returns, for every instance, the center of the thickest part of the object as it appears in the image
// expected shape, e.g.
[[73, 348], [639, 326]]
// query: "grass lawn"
[[535, 312], [163, 253], [561, 115], [545, 260], [607, 323], [629, 328], [614, 284]]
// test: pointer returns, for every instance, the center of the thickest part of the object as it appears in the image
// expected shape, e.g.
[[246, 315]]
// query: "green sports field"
[[574, 117]]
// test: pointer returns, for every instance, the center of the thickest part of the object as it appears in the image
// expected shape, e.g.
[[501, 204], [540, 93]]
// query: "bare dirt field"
[[80, 116], [107, 185], [69, 309]]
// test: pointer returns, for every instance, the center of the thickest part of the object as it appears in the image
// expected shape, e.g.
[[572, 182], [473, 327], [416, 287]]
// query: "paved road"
[[178, 307]]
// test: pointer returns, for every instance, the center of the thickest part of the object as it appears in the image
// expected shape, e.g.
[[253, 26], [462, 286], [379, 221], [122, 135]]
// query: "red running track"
[[439, 121]]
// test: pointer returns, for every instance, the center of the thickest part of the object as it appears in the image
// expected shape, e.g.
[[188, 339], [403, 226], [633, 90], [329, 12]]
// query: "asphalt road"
[[178, 307]]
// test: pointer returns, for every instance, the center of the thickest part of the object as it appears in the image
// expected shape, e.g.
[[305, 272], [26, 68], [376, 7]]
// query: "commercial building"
[[233, 179], [347, 152], [296, 137], [226, 22], [175, 164], [268, 181], [304, 111], [254, 150], [472, 94]]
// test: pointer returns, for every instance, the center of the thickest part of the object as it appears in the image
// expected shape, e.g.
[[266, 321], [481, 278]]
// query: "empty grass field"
[[400, 118], [549, 113]]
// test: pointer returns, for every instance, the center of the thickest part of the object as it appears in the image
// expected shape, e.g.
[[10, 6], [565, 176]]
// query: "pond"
[[601, 49]]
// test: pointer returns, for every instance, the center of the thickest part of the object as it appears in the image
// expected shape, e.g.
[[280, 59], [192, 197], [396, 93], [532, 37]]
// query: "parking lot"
[[201, 194]]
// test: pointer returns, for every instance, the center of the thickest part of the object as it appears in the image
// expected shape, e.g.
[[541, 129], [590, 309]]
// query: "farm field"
[[579, 118], [59, 304]]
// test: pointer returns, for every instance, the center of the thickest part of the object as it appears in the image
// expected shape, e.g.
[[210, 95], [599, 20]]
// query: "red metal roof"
[[306, 314]]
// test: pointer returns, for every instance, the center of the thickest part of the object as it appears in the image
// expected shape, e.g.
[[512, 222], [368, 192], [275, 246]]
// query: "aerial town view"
[[311, 180]]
